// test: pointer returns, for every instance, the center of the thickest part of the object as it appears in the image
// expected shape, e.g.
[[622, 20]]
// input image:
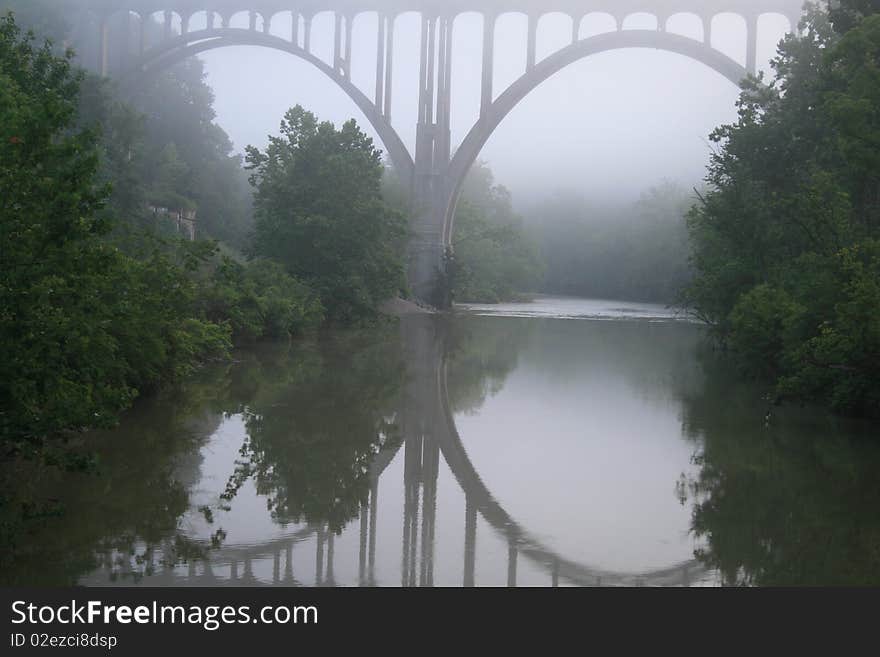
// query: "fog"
[[608, 126]]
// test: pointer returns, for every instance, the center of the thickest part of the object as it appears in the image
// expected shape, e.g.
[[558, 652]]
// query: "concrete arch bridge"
[[435, 169]]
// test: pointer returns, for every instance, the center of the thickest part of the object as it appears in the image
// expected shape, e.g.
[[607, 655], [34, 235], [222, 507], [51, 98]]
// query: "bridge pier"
[[427, 272], [427, 275]]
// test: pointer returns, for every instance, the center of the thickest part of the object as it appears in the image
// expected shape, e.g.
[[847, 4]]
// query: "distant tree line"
[[564, 244], [636, 252]]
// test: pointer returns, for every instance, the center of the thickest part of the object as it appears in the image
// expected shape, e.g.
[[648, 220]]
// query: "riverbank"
[[403, 307]]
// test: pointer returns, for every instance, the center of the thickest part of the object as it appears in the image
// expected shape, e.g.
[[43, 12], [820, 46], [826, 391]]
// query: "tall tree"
[[319, 210]]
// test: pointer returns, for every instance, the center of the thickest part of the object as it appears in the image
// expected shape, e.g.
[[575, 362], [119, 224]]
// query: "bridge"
[[429, 433], [435, 170]]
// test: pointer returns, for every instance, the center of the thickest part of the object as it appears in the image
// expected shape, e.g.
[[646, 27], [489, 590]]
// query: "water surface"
[[561, 442]]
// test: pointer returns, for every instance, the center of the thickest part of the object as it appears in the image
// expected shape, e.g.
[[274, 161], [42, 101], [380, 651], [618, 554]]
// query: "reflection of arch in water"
[[519, 541], [429, 429]]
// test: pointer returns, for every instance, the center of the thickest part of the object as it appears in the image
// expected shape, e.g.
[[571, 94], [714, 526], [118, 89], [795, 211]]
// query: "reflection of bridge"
[[429, 432], [435, 170]]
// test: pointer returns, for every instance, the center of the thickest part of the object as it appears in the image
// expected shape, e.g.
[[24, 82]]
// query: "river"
[[559, 442]]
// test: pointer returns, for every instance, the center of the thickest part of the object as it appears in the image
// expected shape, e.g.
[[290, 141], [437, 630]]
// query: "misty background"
[[609, 126]]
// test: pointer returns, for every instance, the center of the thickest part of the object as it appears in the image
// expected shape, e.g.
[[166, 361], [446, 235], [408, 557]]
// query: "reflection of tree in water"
[[316, 423], [787, 500], [60, 525], [316, 413], [481, 352]]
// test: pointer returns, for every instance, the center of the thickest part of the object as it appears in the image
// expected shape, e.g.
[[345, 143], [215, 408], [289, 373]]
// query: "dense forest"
[[103, 295], [786, 241]]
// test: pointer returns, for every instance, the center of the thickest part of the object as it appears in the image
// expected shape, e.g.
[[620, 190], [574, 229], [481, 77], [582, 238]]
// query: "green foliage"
[[259, 300], [846, 14], [320, 212], [788, 499], [785, 242], [760, 323], [52, 350], [83, 327], [493, 260]]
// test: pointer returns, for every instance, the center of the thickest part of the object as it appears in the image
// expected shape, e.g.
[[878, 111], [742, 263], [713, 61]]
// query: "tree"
[[319, 211], [845, 14], [786, 244], [56, 366], [83, 327]]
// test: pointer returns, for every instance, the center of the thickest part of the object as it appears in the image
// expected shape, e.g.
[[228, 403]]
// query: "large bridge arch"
[[179, 48], [433, 175], [474, 142]]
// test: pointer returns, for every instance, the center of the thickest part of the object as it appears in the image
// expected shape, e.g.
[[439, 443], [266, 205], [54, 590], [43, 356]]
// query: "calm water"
[[565, 441]]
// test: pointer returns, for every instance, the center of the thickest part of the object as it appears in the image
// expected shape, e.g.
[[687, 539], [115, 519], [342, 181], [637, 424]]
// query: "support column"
[[104, 49], [167, 24], [412, 476], [348, 31], [337, 42], [707, 30], [430, 472], [371, 556], [752, 49], [511, 564], [380, 63], [319, 556], [288, 564], [307, 34], [532, 47], [427, 251], [362, 552], [423, 70], [330, 579], [389, 66], [294, 27], [430, 80], [470, 542], [488, 63], [443, 147]]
